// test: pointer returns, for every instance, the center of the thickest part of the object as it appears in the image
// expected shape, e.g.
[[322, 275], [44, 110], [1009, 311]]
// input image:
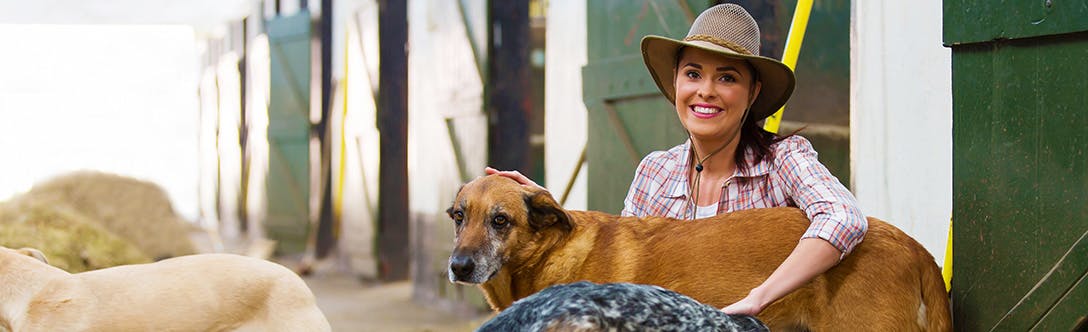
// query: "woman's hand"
[[810, 258], [750, 305], [516, 176]]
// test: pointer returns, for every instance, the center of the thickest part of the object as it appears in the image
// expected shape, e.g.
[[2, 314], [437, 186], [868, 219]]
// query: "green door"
[[628, 117], [1020, 164], [288, 183]]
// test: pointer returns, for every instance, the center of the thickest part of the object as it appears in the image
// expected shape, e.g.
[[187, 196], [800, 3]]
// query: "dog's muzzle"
[[461, 268]]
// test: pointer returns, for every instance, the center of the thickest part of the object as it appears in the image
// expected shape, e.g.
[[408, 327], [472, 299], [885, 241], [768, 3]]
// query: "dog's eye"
[[458, 217], [499, 220]]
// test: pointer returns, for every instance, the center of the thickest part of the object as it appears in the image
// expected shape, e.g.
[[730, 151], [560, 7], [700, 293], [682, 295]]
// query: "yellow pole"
[[338, 199], [946, 270], [789, 57]]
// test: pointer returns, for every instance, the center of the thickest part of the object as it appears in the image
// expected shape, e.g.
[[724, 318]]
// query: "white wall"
[[901, 117], [198, 13], [443, 83], [444, 86], [119, 99], [565, 113], [358, 194]]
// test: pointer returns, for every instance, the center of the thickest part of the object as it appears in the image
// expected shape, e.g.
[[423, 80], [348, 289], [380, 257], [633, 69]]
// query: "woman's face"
[[712, 94]]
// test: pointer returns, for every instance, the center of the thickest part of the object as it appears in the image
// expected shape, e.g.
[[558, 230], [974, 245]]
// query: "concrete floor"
[[352, 305]]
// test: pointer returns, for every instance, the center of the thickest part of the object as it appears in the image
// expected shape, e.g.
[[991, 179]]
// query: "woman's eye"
[[728, 78], [691, 74]]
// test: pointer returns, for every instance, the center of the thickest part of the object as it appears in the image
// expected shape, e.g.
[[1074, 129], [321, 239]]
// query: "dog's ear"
[[35, 253], [544, 211]]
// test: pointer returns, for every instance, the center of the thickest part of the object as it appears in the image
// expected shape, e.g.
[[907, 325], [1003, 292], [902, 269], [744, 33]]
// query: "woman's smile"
[[705, 111]]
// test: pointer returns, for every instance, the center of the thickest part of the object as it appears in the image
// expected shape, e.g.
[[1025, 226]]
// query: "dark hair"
[[753, 137]]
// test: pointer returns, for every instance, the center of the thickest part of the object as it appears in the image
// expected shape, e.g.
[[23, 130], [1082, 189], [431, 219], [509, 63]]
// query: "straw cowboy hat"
[[730, 31]]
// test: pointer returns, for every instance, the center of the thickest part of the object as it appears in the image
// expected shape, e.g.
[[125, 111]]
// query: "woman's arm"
[[811, 257], [837, 225], [830, 207]]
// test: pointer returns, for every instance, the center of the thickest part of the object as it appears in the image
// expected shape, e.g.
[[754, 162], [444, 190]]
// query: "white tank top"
[[706, 211]]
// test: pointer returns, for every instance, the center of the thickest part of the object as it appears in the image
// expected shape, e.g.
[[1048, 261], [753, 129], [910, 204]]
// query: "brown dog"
[[514, 242], [214, 292]]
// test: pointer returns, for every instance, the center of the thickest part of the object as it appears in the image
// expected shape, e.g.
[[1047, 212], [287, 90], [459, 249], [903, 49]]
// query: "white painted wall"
[[901, 117], [444, 87], [443, 83], [358, 196], [118, 99], [565, 114]]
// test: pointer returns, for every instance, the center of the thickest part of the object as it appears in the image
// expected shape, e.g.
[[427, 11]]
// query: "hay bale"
[[68, 239], [138, 211]]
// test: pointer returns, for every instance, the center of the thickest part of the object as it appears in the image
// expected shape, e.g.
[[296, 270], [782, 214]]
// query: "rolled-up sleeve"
[[832, 209]]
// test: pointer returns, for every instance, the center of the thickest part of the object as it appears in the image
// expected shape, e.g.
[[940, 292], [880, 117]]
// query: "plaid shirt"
[[795, 178]]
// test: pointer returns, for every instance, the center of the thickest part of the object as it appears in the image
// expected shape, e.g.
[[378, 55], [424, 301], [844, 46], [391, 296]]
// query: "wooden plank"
[[1054, 287], [1069, 313], [288, 181], [973, 21]]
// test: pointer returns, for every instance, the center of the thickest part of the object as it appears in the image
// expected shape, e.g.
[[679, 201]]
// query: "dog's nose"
[[462, 266]]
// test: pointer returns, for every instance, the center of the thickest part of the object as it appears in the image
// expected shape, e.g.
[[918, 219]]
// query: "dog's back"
[[190, 293], [887, 280]]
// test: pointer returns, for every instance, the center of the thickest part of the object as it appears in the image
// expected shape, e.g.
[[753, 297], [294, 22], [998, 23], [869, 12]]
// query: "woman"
[[722, 90]]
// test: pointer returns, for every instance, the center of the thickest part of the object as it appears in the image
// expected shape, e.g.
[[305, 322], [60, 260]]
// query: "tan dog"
[[214, 292], [514, 242]]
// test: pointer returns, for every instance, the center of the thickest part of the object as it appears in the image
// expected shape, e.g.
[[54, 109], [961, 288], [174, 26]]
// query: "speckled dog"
[[514, 241], [585, 306]]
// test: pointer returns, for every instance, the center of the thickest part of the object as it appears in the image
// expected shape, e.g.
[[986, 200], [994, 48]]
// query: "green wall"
[[1020, 164]]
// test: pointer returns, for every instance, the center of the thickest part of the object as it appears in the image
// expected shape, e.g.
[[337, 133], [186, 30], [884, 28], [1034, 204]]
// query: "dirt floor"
[[352, 305]]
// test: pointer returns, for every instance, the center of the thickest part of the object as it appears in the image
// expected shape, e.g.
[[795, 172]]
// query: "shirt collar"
[[681, 156]]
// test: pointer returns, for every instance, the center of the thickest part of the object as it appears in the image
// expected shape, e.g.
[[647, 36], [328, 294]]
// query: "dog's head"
[[497, 222]]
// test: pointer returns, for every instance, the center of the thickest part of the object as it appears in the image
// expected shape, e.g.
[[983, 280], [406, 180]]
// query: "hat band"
[[720, 42]]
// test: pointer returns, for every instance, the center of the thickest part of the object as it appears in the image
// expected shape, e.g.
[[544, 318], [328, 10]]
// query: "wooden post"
[[508, 94], [393, 215], [326, 240]]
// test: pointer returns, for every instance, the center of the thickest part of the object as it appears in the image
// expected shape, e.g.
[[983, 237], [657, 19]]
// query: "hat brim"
[[659, 54]]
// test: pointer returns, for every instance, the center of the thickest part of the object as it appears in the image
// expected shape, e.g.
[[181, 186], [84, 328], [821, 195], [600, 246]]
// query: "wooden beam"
[[326, 240], [393, 240], [508, 94]]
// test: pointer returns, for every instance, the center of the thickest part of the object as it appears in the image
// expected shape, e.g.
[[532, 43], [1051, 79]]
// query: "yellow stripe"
[[793, 48], [946, 270], [338, 200]]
